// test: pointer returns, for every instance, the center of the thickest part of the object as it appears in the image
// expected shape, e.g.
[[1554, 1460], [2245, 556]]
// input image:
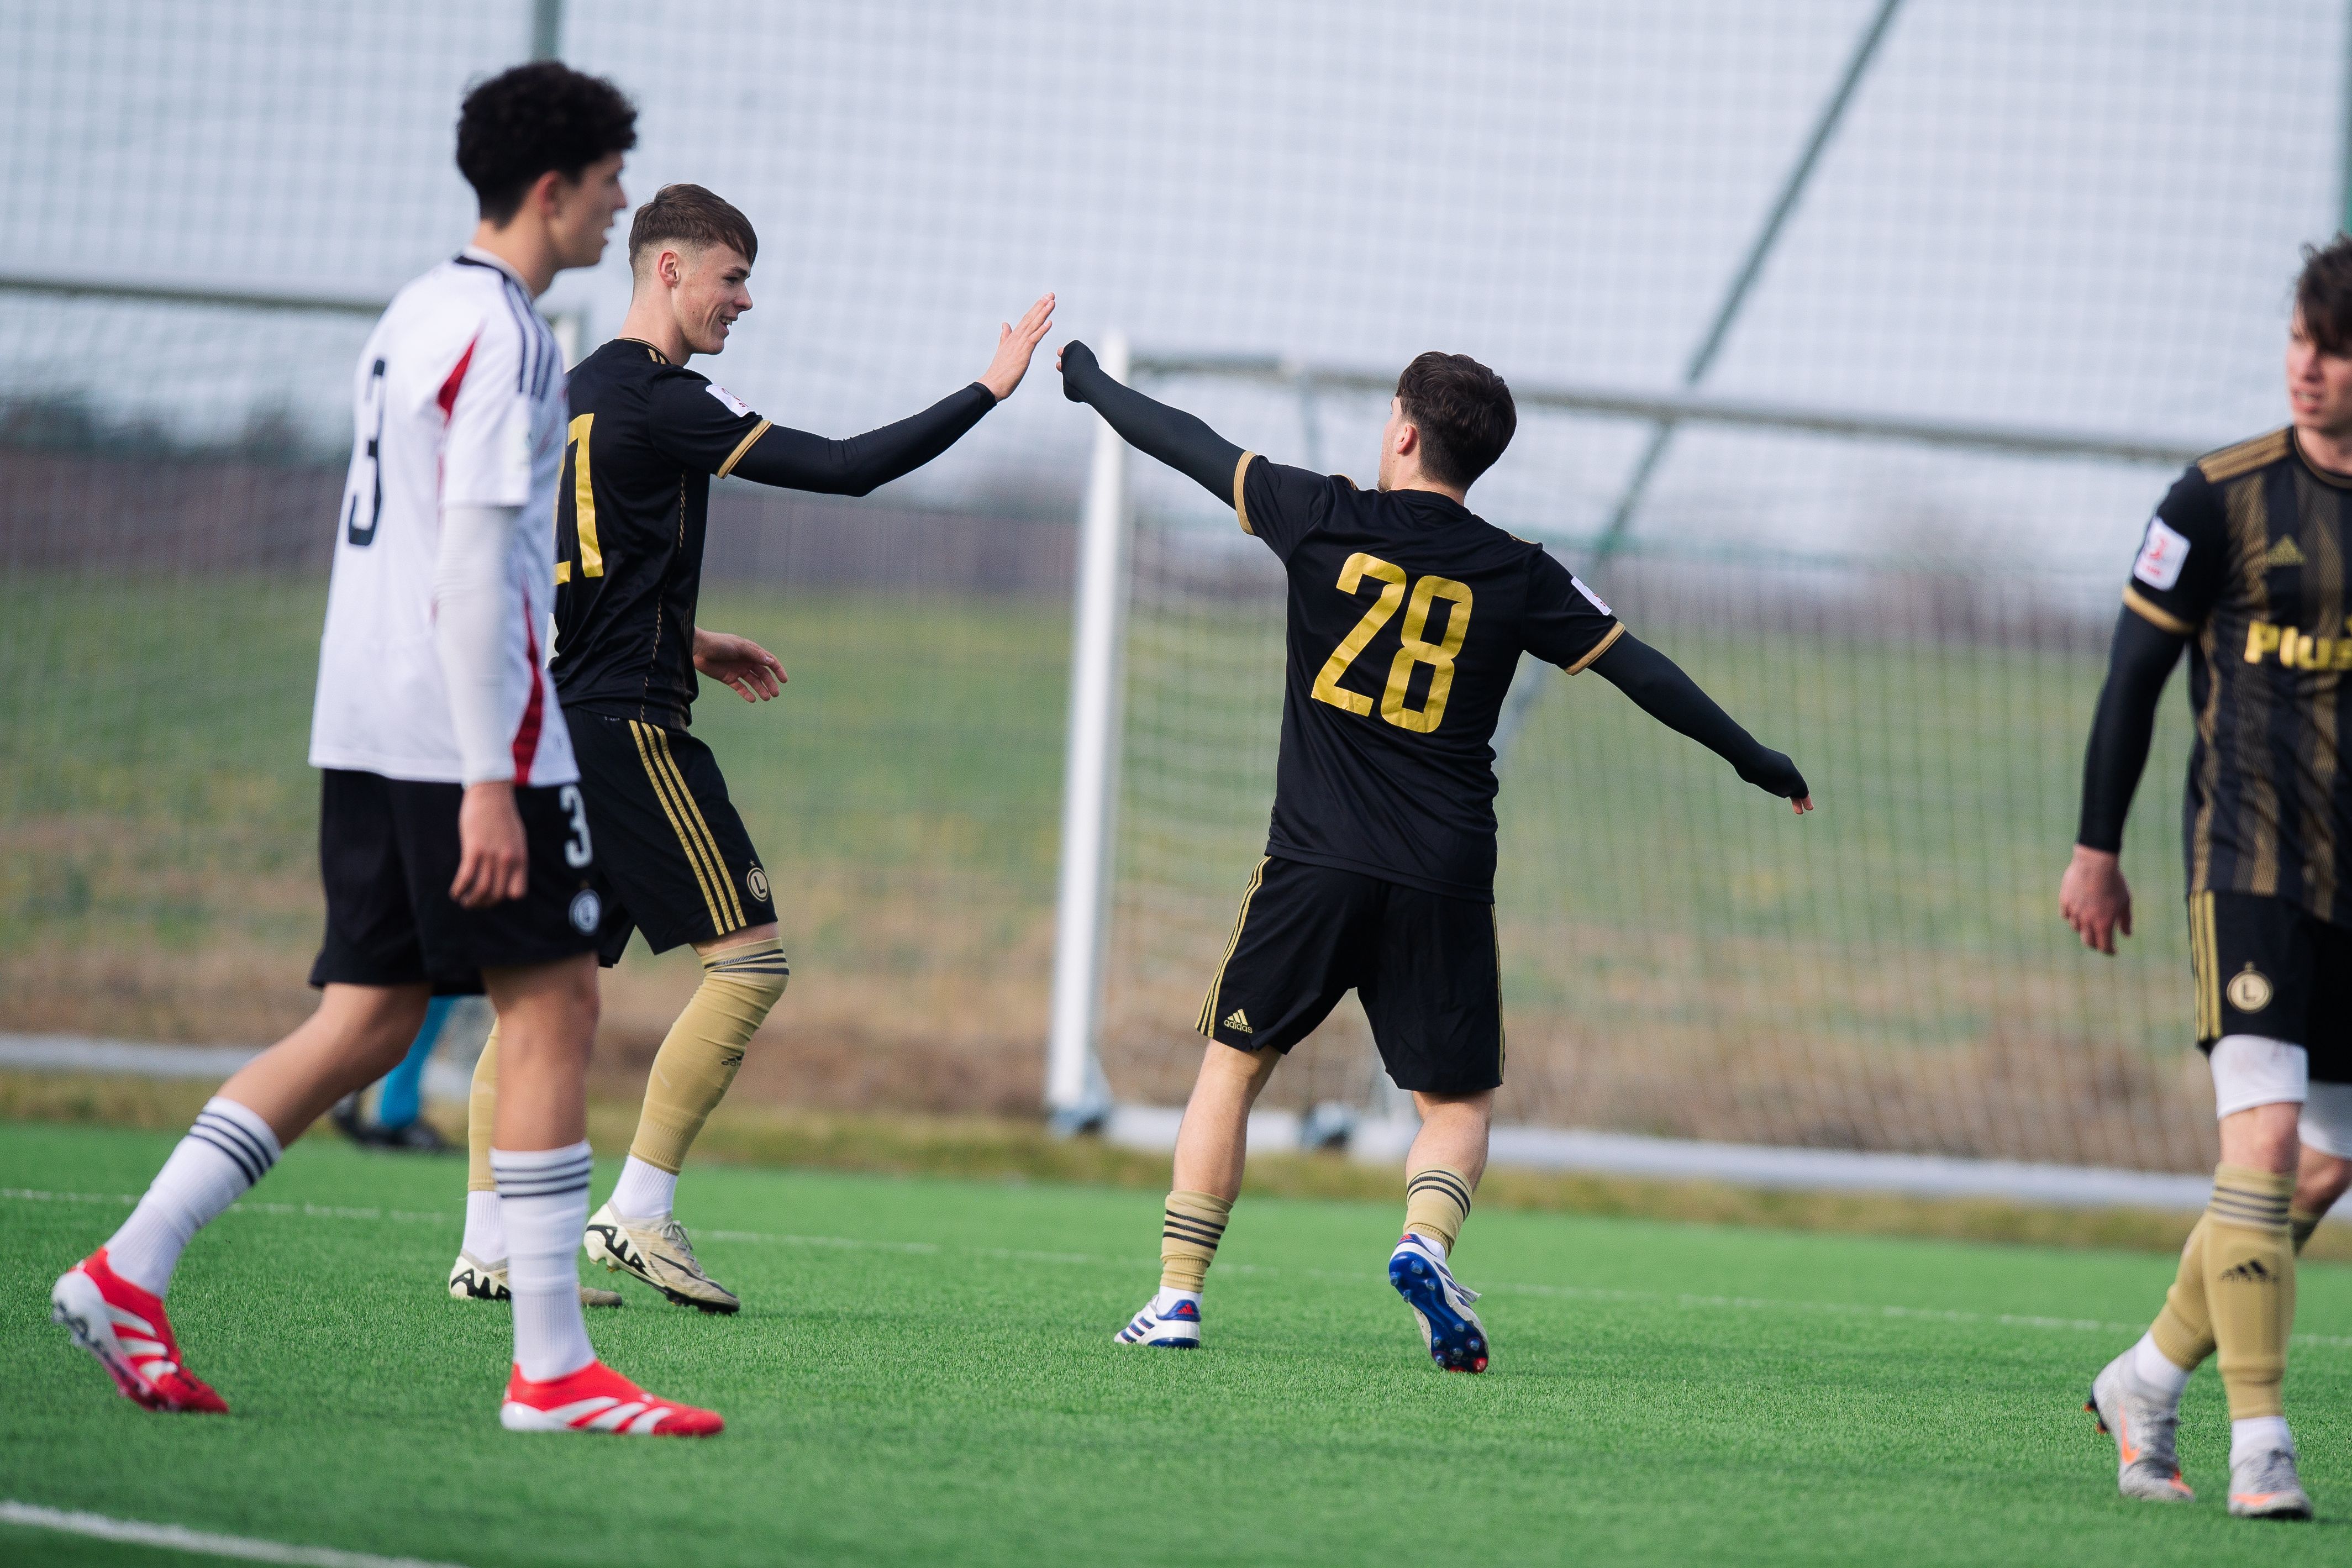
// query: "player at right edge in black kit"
[[2244, 566], [1407, 619]]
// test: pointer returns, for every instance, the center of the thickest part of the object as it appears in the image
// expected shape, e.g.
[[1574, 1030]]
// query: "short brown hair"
[[2322, 295], [689, 215], [1464, 412]]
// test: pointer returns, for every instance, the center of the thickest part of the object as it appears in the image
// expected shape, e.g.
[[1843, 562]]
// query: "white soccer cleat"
[[598, 1399], [2264, 1486], [1176, 1328], [657, 1254], [2142, 1424], [471, 1280], [1455, 1339]]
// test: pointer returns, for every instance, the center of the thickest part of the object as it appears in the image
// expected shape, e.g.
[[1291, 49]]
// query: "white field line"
[[180, 1538], [1687, 1299]]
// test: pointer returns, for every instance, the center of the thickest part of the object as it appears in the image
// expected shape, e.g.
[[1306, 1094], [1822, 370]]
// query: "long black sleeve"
[[1660, 689], [2138, 664], [1170, 434], [798, 460]]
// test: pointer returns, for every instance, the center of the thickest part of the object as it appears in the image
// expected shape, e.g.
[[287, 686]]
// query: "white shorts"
[[2249, 1070]]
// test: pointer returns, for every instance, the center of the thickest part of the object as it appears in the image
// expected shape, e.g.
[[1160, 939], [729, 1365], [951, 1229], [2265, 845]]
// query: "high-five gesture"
[[1015, 343]]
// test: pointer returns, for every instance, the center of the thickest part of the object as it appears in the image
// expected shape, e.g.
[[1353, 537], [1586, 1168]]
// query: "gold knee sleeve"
[[1437, 1203], [481, 1113], [698, 1058], [2250, 1285], [1190, 1228]]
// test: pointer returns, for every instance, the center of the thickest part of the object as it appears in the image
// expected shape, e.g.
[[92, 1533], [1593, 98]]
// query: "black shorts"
[[388, 851], [2265, 966], [672, 859], [1427, 968]]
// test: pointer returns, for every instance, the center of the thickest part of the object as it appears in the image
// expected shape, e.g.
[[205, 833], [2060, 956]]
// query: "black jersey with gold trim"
[[633, 502], [631, 508], [1407, 618], [2246, 558]]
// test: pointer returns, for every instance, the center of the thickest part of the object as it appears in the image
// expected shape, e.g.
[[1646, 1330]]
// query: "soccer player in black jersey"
[[2245, 565], [1407, 618], [674, 861]]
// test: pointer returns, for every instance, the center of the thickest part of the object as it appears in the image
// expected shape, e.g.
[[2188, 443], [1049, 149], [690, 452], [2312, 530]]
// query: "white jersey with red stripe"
[[458, 402]]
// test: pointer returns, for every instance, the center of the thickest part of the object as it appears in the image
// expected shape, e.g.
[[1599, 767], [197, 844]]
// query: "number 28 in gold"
[[1415, 649]]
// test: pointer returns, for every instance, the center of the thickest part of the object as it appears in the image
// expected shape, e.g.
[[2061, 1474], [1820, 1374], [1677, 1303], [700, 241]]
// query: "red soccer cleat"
[[125, 1329], [598, 1399]]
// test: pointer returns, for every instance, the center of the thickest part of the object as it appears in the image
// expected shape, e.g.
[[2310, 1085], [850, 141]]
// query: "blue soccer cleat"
[[1455, 1338], [1176, 1328]]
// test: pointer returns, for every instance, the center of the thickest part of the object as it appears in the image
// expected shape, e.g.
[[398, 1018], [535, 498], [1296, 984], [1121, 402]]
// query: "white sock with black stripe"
[[543, 1203], [227, 1150]]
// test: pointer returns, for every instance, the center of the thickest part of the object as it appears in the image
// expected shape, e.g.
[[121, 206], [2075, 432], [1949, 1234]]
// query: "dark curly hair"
[[523, 123], [1465, 413]]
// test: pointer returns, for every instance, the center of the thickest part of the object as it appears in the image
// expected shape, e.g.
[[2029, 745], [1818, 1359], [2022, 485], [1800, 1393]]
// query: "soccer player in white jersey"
[[453, 842]]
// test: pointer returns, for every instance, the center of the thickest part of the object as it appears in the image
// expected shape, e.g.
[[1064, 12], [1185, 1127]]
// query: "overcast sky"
[[2084, 215]]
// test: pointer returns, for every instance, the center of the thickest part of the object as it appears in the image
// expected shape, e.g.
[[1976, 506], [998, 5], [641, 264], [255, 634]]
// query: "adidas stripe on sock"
[[543, 1205], [1190, 1228], [1436, 1204], [227, 1150]]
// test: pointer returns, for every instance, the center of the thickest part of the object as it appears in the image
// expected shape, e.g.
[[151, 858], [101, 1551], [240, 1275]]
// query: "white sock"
[[2156, 1371], [1167, 1300], [1429, 1241], [2258, 1434], [645, 1191], [543, 1202], [227, 1150], [486, 1234]]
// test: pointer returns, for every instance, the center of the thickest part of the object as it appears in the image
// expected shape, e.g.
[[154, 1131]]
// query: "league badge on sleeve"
[[2161, 555], [732, 404]]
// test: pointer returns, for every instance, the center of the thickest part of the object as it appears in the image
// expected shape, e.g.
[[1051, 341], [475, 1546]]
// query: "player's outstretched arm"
[[2093, 895], [1170, 434], [795, 459], [1660, 689]]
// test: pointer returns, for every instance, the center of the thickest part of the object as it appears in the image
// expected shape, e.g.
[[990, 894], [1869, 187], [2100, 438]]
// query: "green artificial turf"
[[924, 1374]]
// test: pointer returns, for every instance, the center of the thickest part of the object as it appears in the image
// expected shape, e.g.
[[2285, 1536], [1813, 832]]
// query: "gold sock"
[[1437, 1203], [2250, 1285], [2184, 1330], [1190, 1229], [481, 1113], [698, 1059]]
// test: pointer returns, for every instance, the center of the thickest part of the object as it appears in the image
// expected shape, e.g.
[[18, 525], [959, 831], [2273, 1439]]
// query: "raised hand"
[[1075, 362], [738, 662], [1015, 343]]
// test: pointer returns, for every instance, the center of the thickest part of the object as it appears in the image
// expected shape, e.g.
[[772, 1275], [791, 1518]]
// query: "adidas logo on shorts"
[[1237, 1019]]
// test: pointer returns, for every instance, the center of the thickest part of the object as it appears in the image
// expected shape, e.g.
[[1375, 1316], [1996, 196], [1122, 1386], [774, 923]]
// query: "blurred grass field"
[[923, 1373], [1681, 956]]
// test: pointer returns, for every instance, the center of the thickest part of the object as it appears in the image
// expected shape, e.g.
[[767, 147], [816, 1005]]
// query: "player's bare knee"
[[1254, 1069], [1479, 1107], [2325, 1130]]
